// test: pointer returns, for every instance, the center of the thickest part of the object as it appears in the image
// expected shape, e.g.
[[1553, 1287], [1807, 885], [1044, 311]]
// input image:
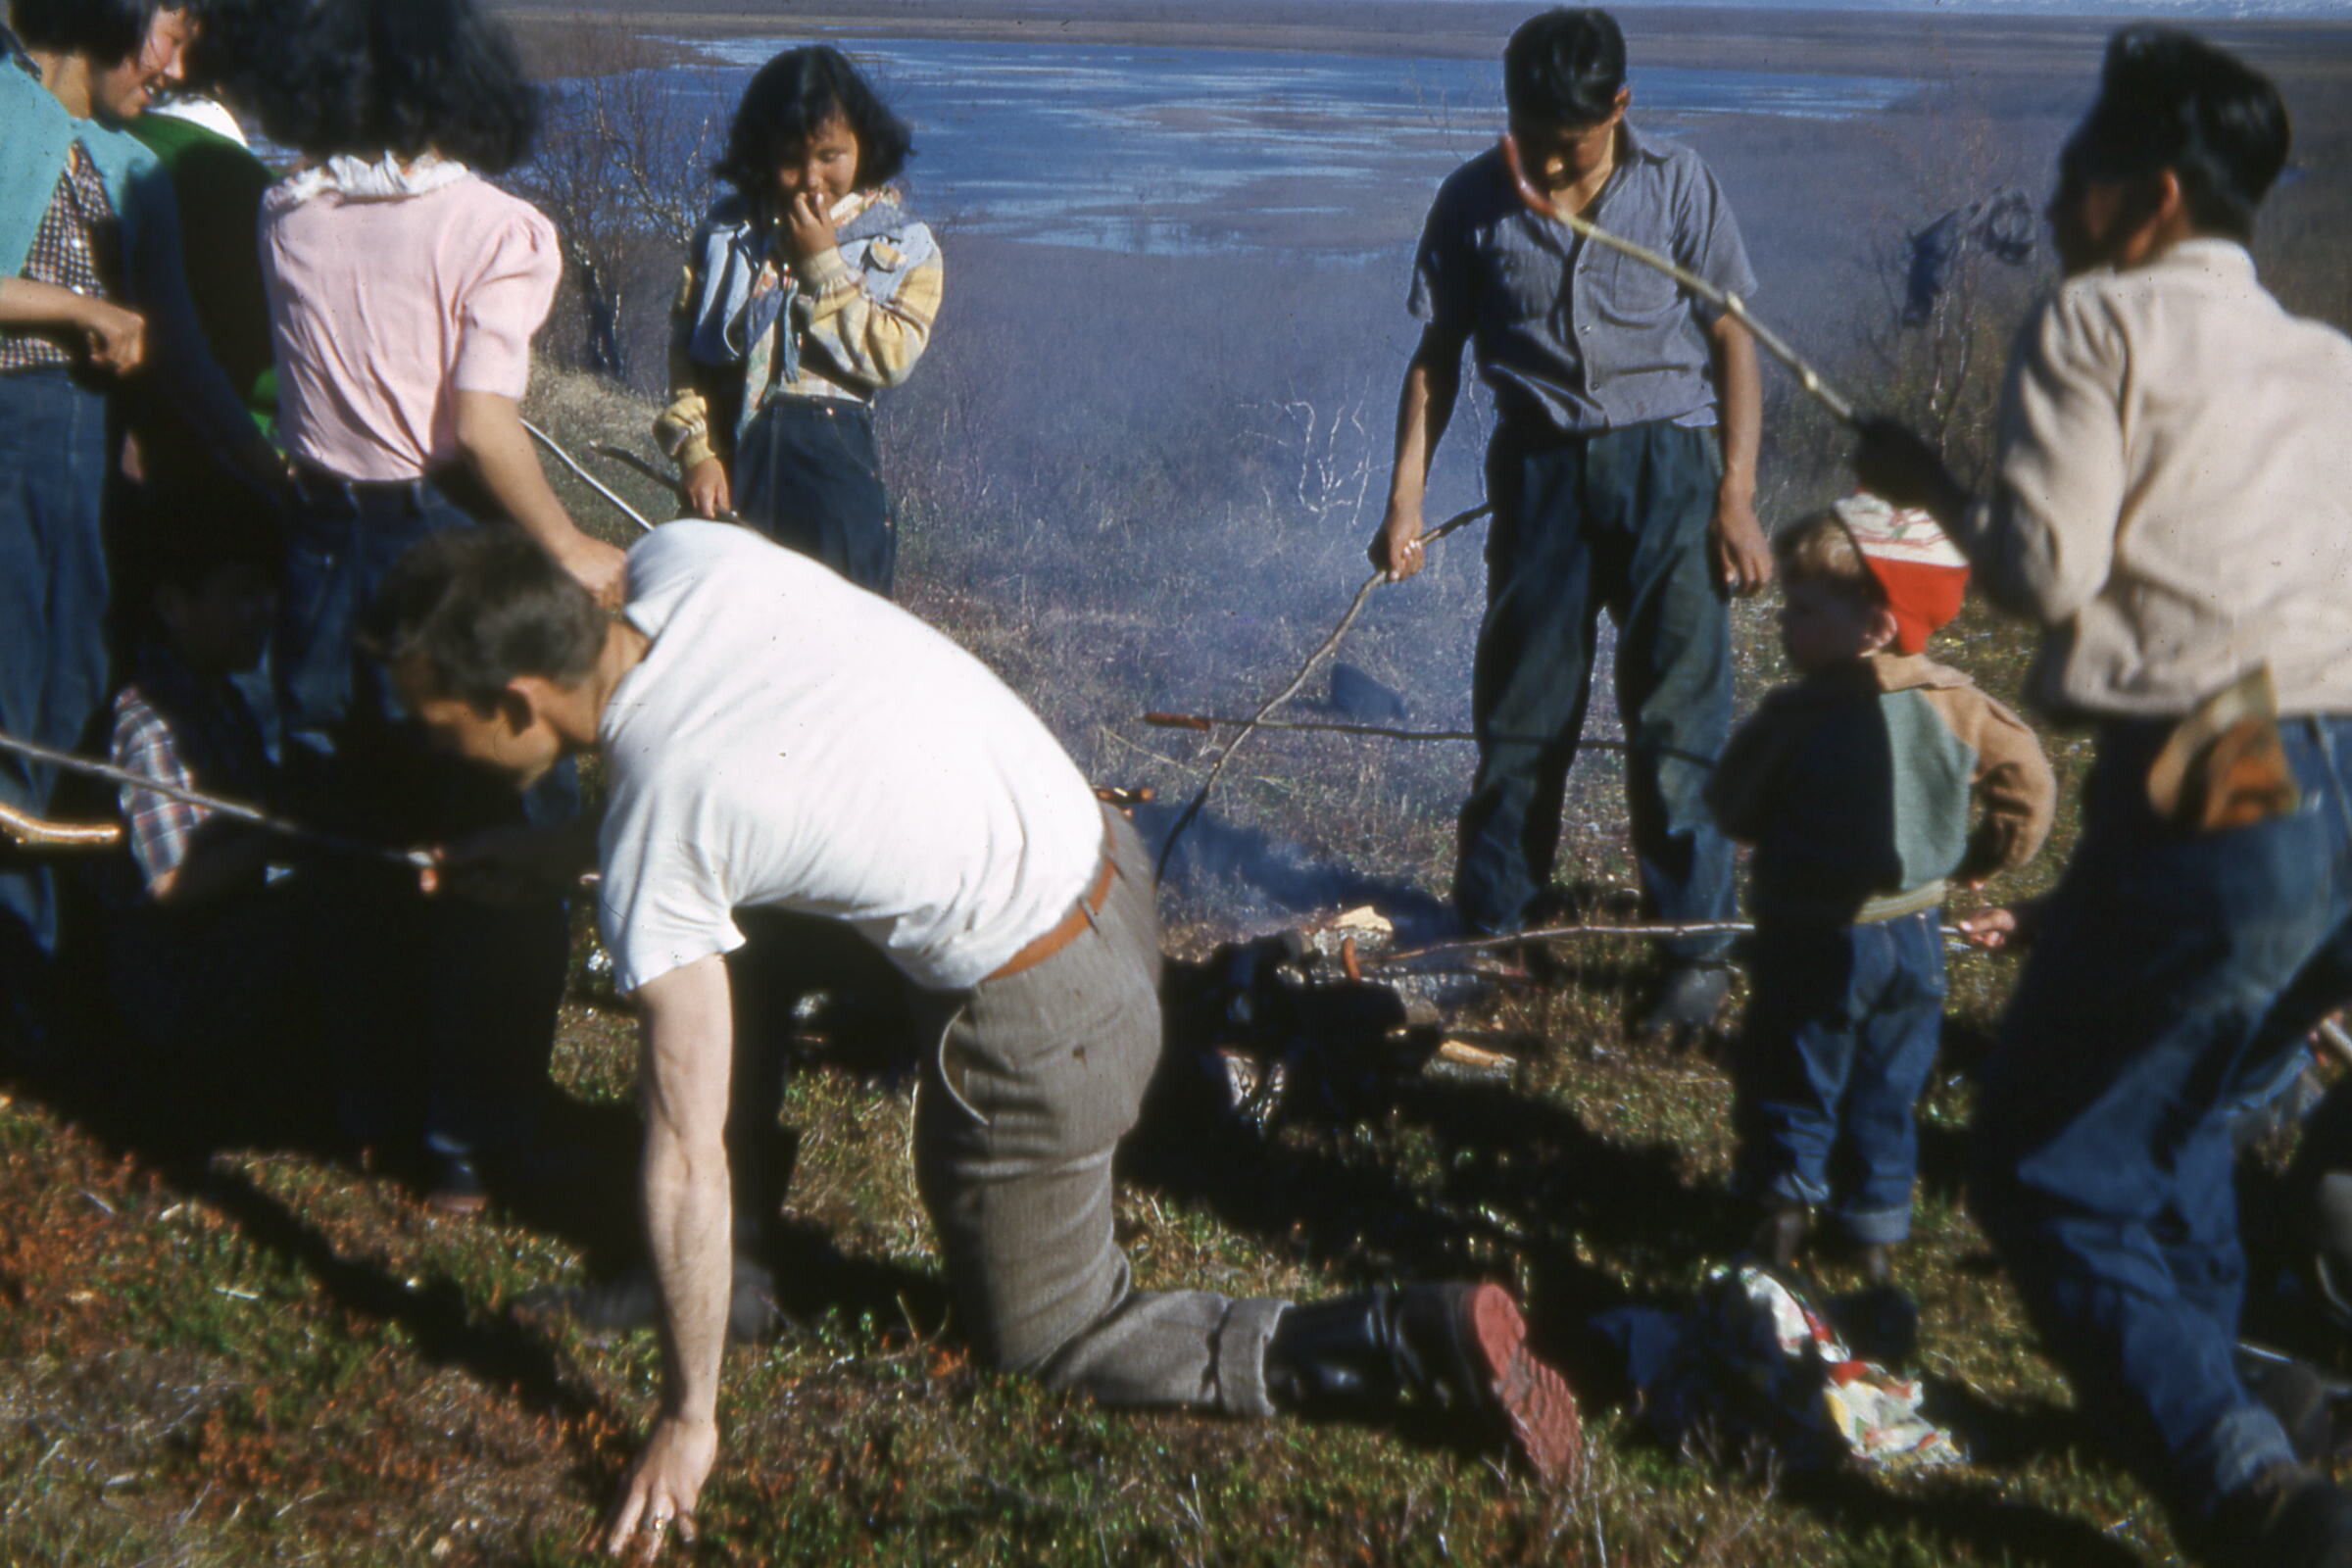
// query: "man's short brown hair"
[[1817, 548], [467, 610]]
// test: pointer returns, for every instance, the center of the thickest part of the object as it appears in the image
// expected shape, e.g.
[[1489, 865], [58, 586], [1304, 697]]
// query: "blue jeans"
[[1618, 522], [1843, 1022], [809, 475], [468, 992], [2174, 974], [53, 601]]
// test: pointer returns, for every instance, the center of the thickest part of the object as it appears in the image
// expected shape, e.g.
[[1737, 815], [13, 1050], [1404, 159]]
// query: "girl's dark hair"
[[792, 96], [2170, 100], [406, 76], [109, 31], [1564, 67]]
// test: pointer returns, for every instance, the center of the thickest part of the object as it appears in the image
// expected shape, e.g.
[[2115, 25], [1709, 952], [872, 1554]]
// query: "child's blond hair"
[[1817, 548]]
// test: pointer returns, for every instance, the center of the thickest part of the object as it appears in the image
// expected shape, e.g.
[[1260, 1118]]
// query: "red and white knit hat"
[[1922, 572]]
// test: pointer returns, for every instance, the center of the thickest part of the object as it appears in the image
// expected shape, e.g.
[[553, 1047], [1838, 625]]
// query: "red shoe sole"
[[1535, 1398]]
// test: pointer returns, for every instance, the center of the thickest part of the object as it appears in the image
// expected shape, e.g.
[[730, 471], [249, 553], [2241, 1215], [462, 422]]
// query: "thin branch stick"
[[1689, 928], [1354, 609], [1731, 305], [622, 454], [1165, 720], [669, 482], [237, 809], [40, 833], [585, 478]]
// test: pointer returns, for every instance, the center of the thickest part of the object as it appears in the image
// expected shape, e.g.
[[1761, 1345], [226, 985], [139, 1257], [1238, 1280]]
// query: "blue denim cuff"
[[1878, 1227], [2235, 1449]]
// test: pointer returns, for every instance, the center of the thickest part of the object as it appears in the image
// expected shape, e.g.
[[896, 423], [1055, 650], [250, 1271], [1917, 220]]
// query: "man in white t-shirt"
[[775, 738]]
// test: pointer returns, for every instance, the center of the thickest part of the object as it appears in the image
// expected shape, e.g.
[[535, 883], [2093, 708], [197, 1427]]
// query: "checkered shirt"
[[78, 247], [160, 826]]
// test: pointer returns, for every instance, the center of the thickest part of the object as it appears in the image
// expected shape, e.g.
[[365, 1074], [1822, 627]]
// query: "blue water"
[[1151, 149]]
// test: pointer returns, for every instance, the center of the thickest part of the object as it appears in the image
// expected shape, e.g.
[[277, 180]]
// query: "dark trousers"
[[1616, 522], [2174, 973], [1843, 1022], [454, 1002], [1024, 1097], [53, 604], [809, 475]]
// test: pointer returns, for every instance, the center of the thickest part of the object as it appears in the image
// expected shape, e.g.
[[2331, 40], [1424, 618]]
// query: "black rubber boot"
[[1780, 1233], [2290, 1516], [1683, 1008], [1460, 1347]]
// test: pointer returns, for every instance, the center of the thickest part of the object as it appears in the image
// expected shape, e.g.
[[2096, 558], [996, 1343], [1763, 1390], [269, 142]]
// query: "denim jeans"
[[809, 475], [53, 604], [1618, 522], [2174, 972], [466, 992], [1843, 1022]]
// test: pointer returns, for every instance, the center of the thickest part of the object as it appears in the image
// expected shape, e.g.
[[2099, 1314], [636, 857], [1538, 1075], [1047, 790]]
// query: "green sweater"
[[1857, 786], [219, 187]]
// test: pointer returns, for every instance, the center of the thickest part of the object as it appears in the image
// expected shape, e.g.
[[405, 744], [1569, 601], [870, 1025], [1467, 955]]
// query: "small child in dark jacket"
[[1855, 784]]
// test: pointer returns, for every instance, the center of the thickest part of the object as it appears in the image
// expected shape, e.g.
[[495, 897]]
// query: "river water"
[[1173, 150]]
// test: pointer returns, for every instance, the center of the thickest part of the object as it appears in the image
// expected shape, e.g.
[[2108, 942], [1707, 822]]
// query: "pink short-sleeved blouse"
[[381, 308]]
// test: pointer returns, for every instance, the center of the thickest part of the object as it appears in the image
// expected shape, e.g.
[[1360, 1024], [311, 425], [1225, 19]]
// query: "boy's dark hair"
[[470, 609], [209, 525], [1564, 67], [405, 77], [2170, 100], [1819, 547], [792, 95], [109, 31]]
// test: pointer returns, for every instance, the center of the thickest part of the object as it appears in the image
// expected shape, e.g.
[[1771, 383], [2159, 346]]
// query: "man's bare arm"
[[1743, 557], [1433, 379], [688, 1033]]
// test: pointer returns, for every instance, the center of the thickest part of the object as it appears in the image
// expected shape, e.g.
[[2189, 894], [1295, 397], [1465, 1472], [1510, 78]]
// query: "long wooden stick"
[[1257, 720], [1731, 305], [585, 478], [1687, 928], [40, 833], [237, 809]]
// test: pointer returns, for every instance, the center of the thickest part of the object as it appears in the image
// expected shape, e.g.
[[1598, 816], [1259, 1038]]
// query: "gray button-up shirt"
[[1571, 335]]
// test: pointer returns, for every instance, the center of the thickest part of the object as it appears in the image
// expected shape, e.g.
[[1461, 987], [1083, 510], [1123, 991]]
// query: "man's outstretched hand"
[[656, 1499], [1896, 463]]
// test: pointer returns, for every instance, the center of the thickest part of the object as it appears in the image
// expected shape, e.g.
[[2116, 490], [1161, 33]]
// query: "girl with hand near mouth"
[[807, 291]]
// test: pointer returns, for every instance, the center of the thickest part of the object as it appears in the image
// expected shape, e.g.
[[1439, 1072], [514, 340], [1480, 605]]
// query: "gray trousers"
[[1022, 1102]]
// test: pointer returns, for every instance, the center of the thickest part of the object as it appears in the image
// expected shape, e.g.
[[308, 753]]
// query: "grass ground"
[[221, 1345], [225, 1347]]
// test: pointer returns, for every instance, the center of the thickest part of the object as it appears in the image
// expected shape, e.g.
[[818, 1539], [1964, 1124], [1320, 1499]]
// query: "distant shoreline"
[[1830, 42]]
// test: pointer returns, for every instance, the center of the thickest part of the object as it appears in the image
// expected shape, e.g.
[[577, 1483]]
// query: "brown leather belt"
[[1082, 914]]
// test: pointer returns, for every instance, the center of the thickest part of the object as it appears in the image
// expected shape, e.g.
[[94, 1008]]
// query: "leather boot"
[[2289, 1516], [1460, 1347]]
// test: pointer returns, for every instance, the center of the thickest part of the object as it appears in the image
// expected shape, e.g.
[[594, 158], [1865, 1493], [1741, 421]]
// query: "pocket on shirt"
[[1636, 291]]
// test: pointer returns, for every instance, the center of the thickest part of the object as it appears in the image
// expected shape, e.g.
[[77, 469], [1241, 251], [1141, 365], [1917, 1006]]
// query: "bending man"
[[773, 737]]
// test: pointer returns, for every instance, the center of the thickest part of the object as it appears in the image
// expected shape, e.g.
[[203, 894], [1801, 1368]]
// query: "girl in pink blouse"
[[404, 290]]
